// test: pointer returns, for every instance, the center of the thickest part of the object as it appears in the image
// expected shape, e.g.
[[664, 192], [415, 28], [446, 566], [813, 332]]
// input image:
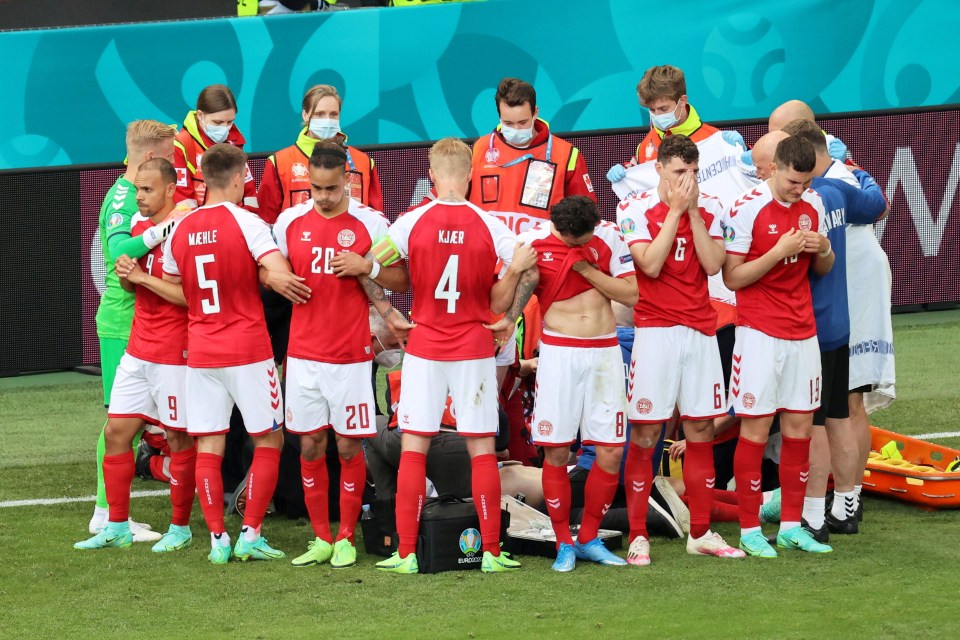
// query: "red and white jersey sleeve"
[[452, 249], [332, 326], [606, 250], [679, 295], [159, 331], [779, 304], [215, 250]]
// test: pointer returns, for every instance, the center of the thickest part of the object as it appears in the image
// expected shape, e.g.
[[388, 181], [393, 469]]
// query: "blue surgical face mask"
[[666, 120], [324, 128], [516, 137], [217, 133]]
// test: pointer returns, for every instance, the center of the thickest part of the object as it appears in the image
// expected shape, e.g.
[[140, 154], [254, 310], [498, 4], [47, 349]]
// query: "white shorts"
[[472, 385], [149, 391], [508, 352], [254, 388], [321, 395], [672, 366], [771, 375], [580, 386]]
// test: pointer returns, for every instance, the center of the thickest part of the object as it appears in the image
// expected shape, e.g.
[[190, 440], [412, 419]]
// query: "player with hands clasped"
[[676, 241]]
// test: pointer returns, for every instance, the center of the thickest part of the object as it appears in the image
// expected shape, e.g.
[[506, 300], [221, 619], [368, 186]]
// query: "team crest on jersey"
[[628, 225], [492, 155], [644, 406], [115, 220], [305, 237], [650, 150], [588, 182], [299, 170], [548, 256], [749, 401], [544, 427], [805, 223], [346, 238]]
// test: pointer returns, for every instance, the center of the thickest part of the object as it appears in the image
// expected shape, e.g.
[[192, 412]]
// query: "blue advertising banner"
[[428, 72]]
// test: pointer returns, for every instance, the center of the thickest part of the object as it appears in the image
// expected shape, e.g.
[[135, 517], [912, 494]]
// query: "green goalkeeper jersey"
[[115, 313]]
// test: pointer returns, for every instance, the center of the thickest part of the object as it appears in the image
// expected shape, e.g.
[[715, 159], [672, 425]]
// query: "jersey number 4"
[[213, 304], [447, 287]]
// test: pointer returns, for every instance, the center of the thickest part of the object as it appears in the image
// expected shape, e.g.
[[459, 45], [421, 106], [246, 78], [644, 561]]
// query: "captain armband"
[[386, 252]]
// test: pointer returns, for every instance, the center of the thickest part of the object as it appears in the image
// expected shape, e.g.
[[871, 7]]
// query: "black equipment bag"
[[450, 535]]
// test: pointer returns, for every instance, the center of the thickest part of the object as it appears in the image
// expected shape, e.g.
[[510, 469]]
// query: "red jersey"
[[452, 250], [332, 326], [606, 250], [215, 250], [159, 331], [679, 295], [778, 304]]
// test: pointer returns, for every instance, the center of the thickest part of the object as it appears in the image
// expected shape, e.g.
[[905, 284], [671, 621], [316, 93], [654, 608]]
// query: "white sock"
[[222, 540], [250, 534], [767, 497], [748, 531], [857, 488], [814, 510], [844, 504], [786, 525]]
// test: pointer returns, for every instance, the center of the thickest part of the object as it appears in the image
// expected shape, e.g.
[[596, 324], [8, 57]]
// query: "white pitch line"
[[937, 435], [48, 501]]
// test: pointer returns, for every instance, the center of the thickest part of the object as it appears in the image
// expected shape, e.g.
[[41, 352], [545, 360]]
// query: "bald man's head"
[[789, 110], [763, 152]]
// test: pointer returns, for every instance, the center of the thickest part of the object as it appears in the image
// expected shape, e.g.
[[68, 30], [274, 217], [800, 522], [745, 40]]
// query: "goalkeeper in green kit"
[[146, 139]]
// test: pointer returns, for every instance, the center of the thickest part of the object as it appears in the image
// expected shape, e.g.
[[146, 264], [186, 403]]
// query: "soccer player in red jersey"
[[775, 235], [149, 387], [328, 360], [215, 252], [676, 241], [452, 247], [584, 263]]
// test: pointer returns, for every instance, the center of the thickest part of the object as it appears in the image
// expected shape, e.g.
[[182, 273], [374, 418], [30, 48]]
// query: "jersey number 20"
[[447, 287]]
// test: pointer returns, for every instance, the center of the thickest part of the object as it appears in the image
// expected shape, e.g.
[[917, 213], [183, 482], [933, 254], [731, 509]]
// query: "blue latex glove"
[[617, 173], [747, 157], [838, 150], [733, 137], [866, 180]]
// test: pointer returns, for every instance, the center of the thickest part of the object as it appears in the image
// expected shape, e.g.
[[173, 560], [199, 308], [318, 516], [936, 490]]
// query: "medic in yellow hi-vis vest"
[[521, 168]]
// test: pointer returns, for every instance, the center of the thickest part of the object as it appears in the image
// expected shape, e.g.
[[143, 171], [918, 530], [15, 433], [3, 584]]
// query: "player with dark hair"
[[584, 264], [775, 235], [329, 357], [216, 252], [676, 241]]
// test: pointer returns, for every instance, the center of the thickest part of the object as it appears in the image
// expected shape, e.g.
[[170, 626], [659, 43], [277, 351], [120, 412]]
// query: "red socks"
[[316, 485], [353, 478], [183, 469], [637, 482], [210, 490], [486, 498], [118, 473], [794, 470], [411, 486], [699, 478], [556, 493], [156, 468], [746, 471], [598, 494], [261, 483]]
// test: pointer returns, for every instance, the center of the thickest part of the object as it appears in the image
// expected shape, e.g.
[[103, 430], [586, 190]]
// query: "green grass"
[[893, 580]]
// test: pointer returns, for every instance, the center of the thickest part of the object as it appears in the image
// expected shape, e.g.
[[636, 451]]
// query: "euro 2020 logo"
[[470, 542]]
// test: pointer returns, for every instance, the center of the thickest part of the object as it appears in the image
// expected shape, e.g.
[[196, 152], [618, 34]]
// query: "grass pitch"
[[896, 579]]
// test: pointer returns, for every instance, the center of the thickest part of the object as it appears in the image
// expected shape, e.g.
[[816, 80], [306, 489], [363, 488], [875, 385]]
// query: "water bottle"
[[365, 513]]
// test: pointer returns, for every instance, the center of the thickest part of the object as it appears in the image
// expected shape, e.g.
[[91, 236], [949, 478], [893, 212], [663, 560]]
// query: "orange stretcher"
[[912, 470]]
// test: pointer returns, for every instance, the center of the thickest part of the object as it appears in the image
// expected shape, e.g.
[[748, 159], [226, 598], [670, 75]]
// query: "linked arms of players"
[[131, 276], [275, 274], [529, 278], [504, 290]]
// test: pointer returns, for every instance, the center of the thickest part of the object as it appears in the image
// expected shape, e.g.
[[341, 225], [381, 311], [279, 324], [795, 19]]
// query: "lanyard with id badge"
[[538, 181], [354, 179]]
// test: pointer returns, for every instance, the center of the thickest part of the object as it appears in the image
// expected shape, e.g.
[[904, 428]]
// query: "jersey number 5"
[[447, 287], [213, 304]]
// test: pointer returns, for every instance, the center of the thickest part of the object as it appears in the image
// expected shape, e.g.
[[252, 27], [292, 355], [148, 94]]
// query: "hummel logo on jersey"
[[804, 475], [308, 482], [548, 256], [773, 229], [638, 486], [606, 507], [305, 237], [755, 485], [710, 482], [349, 486], [553, 504]]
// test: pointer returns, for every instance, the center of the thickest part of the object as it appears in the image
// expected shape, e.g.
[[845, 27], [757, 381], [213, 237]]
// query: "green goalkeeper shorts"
[[111, 350]]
